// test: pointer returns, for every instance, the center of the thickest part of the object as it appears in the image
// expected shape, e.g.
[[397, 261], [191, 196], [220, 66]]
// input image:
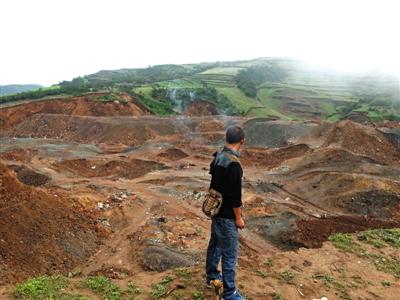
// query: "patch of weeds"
[[103, 286], [380, 238], [198, 295], [262, 273], [161, 288], [132, 289], [386, 283], [42, 287], [326, 279], [176, 295], [183, 272], [330, 281], [269, 262], [390, 236], [371, 238], [387, 265], [288, 276], [345, 242]]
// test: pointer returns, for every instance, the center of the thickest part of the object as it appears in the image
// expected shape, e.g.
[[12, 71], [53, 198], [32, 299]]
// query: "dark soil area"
[[29, 177], [158, 258], [172, 154], [273, 134], [375, 203], [312, 233]]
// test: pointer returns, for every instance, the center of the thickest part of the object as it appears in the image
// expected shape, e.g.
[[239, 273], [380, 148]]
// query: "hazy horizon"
[[50, 41]]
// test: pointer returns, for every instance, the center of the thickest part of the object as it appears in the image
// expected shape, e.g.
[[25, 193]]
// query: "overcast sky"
[[46, 41]]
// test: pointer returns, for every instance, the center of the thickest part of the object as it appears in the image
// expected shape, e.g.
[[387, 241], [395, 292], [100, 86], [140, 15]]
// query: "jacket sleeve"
[[235, 174]]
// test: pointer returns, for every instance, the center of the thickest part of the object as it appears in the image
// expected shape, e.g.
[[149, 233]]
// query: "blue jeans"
[[223, 245]]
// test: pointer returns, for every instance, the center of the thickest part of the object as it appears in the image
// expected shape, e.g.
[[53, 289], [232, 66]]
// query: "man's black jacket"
[[227, 173]]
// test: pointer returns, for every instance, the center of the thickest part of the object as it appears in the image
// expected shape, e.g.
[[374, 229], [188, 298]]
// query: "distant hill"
[[284, 89], [17, 88]]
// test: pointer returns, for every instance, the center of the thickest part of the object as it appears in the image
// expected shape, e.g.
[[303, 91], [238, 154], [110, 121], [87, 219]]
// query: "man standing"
[[226, 173]]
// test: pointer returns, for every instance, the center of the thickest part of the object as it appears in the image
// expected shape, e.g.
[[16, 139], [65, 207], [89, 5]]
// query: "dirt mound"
[[210, 125], [312, 233], [172, 154], [274, 134], [348, 193], [34, 243], [273, 228], [92, 104], [18, 154], [162, 258], [200, 108], [335, 159], [272, 158], [29, 177], [128, 169], [362, 140], [118, 130]]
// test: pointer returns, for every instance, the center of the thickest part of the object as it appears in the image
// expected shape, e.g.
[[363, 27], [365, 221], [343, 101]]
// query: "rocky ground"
[[88, 194]]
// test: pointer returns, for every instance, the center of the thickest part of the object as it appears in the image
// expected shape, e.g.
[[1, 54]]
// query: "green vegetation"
[[248, 80], [104, 287], [386, 283], [288, 276], [330, 281], [269, 262], [161, 288], [275, 88], [379, 238], [344, 241], [45, 287]]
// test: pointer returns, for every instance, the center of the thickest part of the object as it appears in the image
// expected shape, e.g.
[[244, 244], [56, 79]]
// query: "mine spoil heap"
[[90, 186]]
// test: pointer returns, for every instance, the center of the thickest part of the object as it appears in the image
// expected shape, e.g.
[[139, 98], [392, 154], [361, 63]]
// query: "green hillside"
[[277, 88]]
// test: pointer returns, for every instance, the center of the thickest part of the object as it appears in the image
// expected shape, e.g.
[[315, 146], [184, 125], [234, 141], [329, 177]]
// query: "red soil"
[[272, 158], [32, 242], [200, 108], [84, 105], [312, 233]]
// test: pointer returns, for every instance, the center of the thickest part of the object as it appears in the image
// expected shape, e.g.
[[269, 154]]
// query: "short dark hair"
[[234, 134]]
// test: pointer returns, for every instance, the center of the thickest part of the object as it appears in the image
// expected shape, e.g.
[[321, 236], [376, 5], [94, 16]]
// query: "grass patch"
[[343, 241], [329, 281], [183, 272], [378, 238], [288, 276], [161, 288], [381, 238], [104, 287], [45, 287]]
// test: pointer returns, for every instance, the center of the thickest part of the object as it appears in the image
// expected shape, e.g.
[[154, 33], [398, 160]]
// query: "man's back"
[[227, 173]]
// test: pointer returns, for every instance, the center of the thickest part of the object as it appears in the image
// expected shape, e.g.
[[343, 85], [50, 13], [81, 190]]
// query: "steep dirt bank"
[[41, 231], [358, 139], [91, 104], [116, 130]]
